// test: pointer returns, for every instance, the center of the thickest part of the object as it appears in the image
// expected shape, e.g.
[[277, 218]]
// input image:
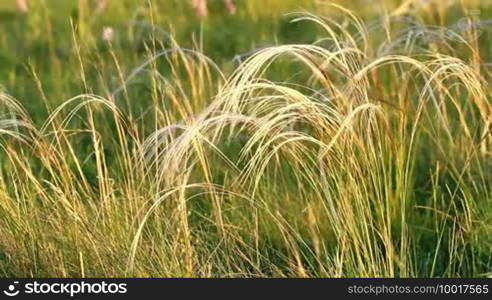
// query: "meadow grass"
[[325, 143]]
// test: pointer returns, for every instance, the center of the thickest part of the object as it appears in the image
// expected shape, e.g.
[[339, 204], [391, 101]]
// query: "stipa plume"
[[370, 158]]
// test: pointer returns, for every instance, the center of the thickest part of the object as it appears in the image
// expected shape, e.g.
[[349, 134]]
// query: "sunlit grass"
[[366, 152]]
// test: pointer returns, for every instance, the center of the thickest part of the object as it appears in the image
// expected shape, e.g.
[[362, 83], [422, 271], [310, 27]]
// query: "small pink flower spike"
[[231, 8], [23, 6], [200, 7], [108, 34], [101, 6]]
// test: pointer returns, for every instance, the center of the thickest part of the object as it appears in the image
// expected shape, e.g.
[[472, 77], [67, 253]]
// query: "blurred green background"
[[38, 53]]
